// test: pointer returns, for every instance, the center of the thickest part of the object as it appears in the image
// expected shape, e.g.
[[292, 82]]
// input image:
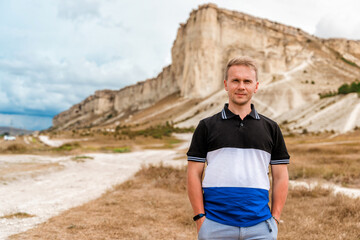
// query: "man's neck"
[[241, 110]]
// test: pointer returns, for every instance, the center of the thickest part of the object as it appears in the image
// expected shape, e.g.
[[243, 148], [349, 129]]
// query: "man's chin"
[[241, 103]]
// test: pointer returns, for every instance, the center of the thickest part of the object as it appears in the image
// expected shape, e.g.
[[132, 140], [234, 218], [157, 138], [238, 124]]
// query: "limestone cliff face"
[[196, 54], [347, 48], [294, 67], [117, 103], [212, 36], [97, 104]]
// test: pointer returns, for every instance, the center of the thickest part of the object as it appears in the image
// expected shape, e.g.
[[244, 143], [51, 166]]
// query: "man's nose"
[[241, 85]]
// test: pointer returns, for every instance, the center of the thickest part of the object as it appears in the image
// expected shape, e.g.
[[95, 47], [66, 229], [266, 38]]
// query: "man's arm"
[[280, 179], [195, 193]]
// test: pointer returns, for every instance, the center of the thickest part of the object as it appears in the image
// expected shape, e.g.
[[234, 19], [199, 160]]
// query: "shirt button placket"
[[241, 124]]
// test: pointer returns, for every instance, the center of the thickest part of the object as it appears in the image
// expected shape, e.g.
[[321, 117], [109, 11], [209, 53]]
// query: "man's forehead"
[[241, 69]]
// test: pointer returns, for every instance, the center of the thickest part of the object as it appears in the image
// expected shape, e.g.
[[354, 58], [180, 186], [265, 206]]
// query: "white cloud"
[[4, 99], [56, 53], [25, 122], [79, 9], [47, 86], [335, 26]]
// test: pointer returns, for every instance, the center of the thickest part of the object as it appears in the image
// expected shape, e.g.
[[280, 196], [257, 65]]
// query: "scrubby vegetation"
[[349, 62], [327, 94], [117, 149], [15, 148], [354, 87], [158, 131], [156, 206], [346, 88], [18, 215], [317, 157], [68, 146]]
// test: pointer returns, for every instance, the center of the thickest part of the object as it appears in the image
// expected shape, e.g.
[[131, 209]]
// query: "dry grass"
[[154, 205], [317, 214], [332, 159], [81, 143], [18, 215], [15, 148]]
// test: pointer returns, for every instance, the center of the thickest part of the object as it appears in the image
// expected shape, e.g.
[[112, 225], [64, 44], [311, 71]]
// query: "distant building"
[[9, 138]]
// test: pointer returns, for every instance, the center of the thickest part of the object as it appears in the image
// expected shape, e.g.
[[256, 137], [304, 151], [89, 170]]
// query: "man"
[[238, 145]]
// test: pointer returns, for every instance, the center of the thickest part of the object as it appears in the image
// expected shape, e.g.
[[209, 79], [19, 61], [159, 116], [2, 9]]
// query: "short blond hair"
[[241, 61]]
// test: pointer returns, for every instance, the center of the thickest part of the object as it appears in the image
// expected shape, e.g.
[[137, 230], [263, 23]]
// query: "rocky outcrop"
[[116, 103], [294, 67], [348, 49]]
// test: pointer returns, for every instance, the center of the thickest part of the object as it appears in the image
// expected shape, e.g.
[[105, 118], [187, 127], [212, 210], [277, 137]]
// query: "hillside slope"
[[294, 67]]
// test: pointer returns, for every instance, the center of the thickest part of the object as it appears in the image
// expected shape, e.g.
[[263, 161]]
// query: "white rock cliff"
[[294, 67]]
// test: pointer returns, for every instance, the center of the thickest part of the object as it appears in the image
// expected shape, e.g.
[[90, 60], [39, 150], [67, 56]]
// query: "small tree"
[[344, 89], [355, 87]]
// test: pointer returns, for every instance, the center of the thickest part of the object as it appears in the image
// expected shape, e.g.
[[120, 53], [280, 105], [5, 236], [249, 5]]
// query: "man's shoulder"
[[268, 120], [212, 119]]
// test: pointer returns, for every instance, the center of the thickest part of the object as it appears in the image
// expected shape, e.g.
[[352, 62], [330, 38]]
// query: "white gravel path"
[[351, 122], [52, 143], [79, 182], [350, 192]]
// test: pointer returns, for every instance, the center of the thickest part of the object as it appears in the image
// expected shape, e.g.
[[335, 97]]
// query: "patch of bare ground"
[[154, 205], [10, 171]]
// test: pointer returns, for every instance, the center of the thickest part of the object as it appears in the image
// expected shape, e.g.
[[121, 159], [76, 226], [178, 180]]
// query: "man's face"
[[241, 84]]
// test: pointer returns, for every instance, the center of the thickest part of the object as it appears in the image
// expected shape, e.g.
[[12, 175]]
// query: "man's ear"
[[225, 84], [257, 86]]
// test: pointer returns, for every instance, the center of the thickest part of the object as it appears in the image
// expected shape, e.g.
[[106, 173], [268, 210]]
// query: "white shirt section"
[[237, 167]]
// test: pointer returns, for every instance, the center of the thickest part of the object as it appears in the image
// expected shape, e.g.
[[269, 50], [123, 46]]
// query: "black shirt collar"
[[227, 114]]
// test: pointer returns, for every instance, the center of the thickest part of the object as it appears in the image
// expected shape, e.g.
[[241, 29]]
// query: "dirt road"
[[79, 181]]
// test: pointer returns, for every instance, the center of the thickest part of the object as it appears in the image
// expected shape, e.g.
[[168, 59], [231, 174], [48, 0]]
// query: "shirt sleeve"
[[198, 147], [279, 154]]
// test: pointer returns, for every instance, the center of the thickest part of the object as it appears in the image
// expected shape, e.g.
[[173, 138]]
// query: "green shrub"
[[121, 150], [327, 94], [354, 87], [157, 132], [68, 146], [349, 62], [346, 88]]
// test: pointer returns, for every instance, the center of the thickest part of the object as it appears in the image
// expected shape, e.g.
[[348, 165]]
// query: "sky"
[[53, 54]]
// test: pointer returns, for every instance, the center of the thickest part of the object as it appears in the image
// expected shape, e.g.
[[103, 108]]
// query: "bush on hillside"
[[352, 88], [346, 88], [158, 131]]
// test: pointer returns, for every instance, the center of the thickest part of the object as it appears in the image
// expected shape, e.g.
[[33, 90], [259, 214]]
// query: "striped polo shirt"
[[238, 153]]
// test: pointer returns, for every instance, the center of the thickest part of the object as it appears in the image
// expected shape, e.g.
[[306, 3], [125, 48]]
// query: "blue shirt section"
[[236, 206]]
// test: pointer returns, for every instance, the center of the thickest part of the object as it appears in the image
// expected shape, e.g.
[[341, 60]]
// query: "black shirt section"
[[225, 129]]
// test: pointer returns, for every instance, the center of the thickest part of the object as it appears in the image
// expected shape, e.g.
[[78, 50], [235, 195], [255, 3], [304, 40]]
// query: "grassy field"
[[121, 139], [75, 144], [154, 204], [326, 157]]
